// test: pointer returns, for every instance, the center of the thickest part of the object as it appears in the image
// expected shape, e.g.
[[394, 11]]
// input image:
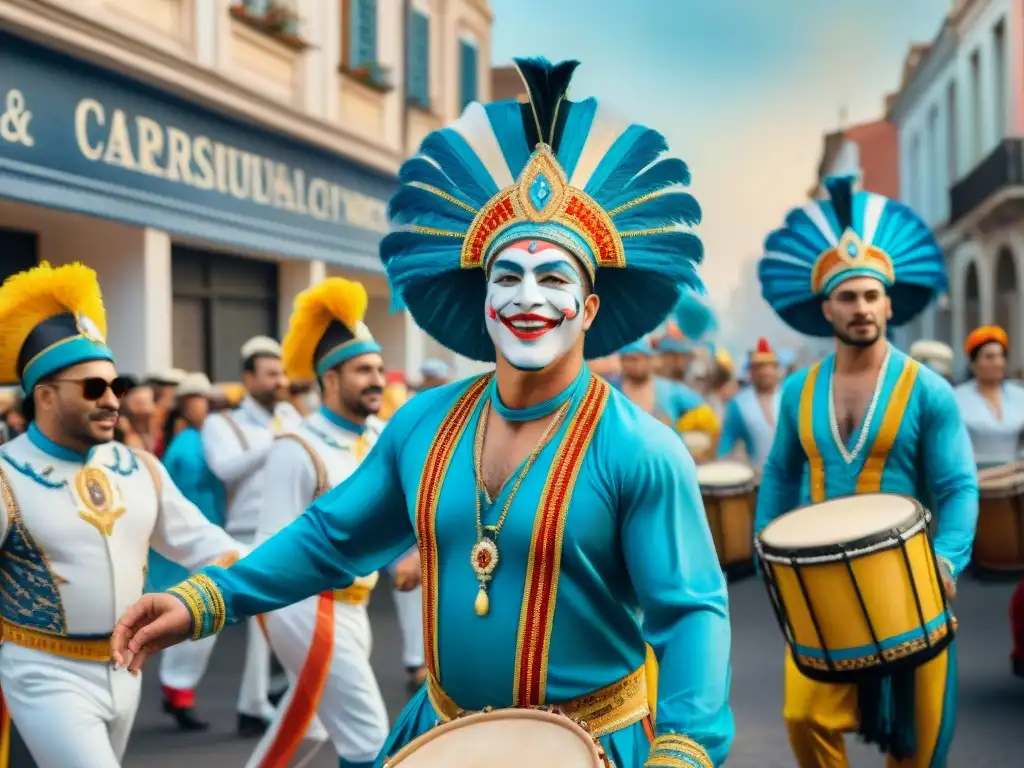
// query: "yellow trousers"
[[651, 674], [818, 715]]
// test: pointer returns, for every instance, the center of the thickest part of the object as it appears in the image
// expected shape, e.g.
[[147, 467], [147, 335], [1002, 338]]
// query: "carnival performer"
[[78, 514], [991, 406], [514, 212], [866, 419], [670, 402], [182, 666], [691, 324], [236, 445], [722, 385], [936, 355], [324, 641], [751, 416]]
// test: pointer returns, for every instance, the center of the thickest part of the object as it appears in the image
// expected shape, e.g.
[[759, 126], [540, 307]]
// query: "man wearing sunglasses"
[[78, 514]]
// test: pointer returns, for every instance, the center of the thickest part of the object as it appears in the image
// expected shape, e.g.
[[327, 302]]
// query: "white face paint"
[[534, 310]]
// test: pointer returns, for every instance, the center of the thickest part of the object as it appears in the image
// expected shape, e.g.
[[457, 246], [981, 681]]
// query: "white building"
[[961, 123], [211, 158]]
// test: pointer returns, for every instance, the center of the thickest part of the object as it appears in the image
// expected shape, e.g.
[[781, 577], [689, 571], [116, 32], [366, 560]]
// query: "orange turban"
[[984, 335]]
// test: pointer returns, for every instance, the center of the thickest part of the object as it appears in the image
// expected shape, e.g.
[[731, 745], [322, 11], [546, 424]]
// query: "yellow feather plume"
[[315, 308], [28, 298]]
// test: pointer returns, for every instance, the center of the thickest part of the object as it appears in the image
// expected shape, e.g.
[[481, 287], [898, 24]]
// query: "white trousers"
[[351, 707], [70, 714], [182, 666], [409, 607]]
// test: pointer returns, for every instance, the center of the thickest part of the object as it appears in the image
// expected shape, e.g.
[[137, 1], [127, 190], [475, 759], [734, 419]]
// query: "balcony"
[[993, 192]]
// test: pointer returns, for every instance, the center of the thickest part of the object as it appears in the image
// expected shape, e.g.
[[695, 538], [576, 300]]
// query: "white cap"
[[168, 376], [194, 384], [926, 350], [434, 368], [260, 345]]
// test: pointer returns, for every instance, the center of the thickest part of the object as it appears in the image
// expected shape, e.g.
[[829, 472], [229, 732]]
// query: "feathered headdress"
[[50, 319], [552, 170], [639, 347], [692, 324], [851, 234], [326, 329]]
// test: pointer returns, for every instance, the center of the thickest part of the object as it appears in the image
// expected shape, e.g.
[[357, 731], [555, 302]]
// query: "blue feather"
[[661, 211], [421, 170], [669, 172], [546, 84], [631, 153], [450, 151], [671, 247], [840, 191], [413, 205]]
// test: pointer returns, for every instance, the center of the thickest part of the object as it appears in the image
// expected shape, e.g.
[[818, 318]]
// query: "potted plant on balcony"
[[282, 18]]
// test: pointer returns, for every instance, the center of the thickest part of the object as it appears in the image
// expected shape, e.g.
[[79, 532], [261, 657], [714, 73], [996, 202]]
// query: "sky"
[[742, 89]]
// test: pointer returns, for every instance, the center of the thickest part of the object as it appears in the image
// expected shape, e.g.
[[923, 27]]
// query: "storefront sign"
[[82, 138]]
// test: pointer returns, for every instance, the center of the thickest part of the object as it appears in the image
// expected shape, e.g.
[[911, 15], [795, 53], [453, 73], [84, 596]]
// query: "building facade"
[[961, 124], [211, 159]]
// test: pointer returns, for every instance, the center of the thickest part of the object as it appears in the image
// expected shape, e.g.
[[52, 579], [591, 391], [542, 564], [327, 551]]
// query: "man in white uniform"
[[324, 641], [78, 514], [236, 445]]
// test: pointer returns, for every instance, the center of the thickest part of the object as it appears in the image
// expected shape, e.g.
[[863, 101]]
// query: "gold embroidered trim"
[[77, 649], [436, 232], [637, 201], [205, 602], [651, 231], [674, 750], [442, 194], [895, 653]]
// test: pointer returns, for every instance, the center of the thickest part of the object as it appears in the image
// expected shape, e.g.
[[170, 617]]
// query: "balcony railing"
[[1003, 168]]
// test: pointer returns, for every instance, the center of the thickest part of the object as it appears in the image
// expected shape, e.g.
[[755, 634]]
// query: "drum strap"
[[870, 478]]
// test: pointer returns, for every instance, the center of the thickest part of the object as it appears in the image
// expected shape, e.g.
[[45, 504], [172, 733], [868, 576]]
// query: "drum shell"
[[999, 537], [849, 600], [504, 738], [730, 512]]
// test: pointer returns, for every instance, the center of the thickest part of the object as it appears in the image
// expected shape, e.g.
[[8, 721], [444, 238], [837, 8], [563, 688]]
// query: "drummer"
[[866, 419], [752, 415], [671, 402], [723, 385], [991, 406]]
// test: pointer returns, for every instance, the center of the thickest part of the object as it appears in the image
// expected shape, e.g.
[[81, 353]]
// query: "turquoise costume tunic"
[[929, 459], [630, 536], [746, 422], [185, 463], [996, 439], [673, 400]]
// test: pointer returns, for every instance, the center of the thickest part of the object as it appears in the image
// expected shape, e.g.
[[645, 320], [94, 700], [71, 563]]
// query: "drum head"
[[504, 738], [862, 518], [697, 442], [724, 474]]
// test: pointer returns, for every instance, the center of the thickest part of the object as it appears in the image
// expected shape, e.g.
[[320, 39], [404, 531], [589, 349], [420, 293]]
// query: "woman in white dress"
[[992, 407]]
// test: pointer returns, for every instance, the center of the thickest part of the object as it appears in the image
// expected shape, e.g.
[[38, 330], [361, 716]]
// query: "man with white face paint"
[[549, 511]]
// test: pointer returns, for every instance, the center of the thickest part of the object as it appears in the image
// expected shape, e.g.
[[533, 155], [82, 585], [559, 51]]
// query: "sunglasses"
[[94, 387]]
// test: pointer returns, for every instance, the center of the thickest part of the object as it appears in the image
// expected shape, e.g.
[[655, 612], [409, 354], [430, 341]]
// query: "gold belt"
[[75, 648], [357, 594], [604, 711]]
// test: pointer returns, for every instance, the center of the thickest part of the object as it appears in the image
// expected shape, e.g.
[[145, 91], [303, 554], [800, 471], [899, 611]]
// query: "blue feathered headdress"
[[691, 324], [552, 170], [851, 234]]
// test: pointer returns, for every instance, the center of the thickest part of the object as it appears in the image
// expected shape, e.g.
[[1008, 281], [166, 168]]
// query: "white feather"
[[818, 218], [873, 210], [475, 128], [604, 130]]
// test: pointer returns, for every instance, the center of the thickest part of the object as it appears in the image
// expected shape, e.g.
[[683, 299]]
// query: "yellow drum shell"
[[729, 502]]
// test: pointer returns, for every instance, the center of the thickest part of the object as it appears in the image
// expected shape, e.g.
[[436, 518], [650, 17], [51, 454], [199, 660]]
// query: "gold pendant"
[[484, 559], [97, 494]]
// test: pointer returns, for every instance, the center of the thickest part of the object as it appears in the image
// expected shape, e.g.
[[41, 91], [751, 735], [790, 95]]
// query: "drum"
[[504, 738], [855, 585], [700, 445], [999, 538], [727, 488]]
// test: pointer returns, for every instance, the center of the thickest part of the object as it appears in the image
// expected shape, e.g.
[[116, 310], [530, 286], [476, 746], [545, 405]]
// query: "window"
[[935, 186], [976, 138], [468, 71], [999, 78], [951, 133], [418, 60], [359, 35]]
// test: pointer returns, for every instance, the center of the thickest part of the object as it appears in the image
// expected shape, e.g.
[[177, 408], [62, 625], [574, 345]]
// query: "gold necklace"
[[484, 554]]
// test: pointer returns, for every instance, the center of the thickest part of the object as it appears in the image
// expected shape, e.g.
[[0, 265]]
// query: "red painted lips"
[[528, 327]]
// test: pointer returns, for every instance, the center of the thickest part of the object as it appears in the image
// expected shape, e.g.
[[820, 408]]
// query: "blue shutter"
[[418, 59], [468, 72], [363, 31]]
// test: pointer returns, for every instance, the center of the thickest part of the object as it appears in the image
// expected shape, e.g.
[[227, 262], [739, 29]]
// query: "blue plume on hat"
[[555, 170]]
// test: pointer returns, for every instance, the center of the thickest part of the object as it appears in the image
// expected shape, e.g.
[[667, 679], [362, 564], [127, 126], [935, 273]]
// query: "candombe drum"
[[999, 539], [855, 584], [504, 738], [700, 445], [727, 488]]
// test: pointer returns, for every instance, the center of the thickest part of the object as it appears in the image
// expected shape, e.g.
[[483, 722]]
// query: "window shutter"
[[363, 48], [418, 59], [468, 71]]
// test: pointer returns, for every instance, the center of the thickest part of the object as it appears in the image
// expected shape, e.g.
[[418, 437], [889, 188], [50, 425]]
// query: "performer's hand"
[[407, 573], [156, 621], [948, 582]]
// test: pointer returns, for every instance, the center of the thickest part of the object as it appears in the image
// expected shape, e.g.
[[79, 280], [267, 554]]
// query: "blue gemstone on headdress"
[[540, 191], [851, 249], [533, 247]]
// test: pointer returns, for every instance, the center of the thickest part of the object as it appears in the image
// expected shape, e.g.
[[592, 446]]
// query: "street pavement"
[[991, 700]]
